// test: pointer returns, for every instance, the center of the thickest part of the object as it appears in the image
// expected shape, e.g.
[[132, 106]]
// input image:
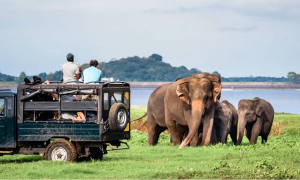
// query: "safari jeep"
[[31, 120]]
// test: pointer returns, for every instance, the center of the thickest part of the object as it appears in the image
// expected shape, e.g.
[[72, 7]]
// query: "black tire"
[[96, 153], [117, 113], [65, 149]]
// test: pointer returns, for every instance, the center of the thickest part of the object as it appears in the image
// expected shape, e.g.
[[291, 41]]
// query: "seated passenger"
[[92, 73], [71, 72], [74, 116]]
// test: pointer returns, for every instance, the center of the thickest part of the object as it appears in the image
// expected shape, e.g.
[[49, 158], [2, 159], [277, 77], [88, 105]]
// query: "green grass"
[[137, 111], [277, 159]]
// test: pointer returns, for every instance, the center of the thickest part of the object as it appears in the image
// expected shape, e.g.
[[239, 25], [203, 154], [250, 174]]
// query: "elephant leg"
[[200, 138], [153, 131], [264, 138], [255, 131], [249, 130], [158, 131], [233, 134], [224, 132], [214, 139], [171, 125], [182, 130]]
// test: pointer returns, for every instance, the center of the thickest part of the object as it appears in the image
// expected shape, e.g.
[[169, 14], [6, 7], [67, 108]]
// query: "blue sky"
[[236, 38]]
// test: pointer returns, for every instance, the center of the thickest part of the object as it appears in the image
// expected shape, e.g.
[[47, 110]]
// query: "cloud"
[[238, 29]]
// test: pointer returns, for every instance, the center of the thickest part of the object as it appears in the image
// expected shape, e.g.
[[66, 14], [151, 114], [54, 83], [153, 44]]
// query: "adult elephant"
[[156, 110], [188, 102], [225, 122], [257, 116]]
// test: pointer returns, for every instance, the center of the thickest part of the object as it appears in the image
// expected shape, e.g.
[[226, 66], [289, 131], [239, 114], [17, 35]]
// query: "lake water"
[[287, 101]]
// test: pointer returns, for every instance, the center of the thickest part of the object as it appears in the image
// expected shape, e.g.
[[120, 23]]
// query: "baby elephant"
[[225, 122], [257, 116]]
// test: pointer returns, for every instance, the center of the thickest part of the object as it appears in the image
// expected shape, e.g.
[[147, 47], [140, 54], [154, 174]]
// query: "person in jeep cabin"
[[92, 74], [73, 116], [71, 71]]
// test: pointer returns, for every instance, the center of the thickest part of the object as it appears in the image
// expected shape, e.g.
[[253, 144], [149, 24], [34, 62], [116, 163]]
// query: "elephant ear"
[[259, 109], [217, 90], [182, 92]]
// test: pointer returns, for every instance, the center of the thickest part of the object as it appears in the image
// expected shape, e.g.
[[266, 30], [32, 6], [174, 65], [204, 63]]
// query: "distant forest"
[[149, 69]]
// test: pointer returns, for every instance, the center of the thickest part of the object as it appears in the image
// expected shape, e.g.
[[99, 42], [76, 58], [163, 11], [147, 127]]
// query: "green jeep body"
[[24, 129]]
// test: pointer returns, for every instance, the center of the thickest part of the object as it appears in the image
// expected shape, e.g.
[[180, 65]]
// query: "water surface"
[[287, 101]]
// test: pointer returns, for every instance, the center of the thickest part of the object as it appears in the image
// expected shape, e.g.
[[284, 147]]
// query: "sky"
[[236, 38]]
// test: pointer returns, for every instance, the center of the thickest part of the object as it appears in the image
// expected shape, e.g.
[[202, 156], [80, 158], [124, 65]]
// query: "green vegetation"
[[294, 77], [148, 69], [277, 159], [4, 77], [137, 111]]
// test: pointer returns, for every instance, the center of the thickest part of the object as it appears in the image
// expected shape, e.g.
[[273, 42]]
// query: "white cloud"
[[208, 35]]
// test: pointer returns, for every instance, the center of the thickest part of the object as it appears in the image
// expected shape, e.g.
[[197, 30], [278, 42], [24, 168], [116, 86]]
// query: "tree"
[[157, 57], [195, 70], [58, 75], [10, 78], [292, 76], [22, 77], [43, 76], [50, 77]]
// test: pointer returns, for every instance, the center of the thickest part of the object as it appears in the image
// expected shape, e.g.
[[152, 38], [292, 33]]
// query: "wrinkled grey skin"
[[156, 110], [188, 102], [257, 117], [225, 122], [156, 114]]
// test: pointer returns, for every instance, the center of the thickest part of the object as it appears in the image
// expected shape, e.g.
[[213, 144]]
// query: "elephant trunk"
[[197, 112], [242, 124]]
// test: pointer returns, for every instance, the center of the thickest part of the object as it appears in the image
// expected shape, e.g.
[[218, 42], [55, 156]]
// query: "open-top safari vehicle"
[[31, 121]]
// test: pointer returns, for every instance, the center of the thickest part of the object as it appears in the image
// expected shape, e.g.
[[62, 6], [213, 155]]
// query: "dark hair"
[[94, 63], [70, 57]]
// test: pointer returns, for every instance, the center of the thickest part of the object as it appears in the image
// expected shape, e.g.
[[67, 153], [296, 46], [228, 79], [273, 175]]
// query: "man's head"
[[94, 63], [70, 57]]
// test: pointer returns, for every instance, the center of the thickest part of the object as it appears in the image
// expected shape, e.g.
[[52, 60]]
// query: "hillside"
[[143, 69], [149, 69]]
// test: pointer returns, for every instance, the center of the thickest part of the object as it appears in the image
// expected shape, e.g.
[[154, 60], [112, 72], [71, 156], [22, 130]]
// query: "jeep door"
[[7, 122]]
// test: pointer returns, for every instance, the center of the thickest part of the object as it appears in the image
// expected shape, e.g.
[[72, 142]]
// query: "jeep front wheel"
[[118, 117], [61, 150]]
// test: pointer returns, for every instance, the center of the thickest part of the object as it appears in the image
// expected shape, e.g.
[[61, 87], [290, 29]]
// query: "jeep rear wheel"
[[118, 117], [61, 150]]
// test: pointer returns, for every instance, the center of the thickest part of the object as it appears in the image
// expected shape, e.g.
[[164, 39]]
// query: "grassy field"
[[277, 159]]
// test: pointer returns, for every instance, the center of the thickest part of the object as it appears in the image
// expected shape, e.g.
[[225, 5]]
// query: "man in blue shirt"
[[92, 73]]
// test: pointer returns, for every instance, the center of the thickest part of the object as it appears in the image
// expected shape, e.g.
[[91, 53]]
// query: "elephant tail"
[[139, 117]]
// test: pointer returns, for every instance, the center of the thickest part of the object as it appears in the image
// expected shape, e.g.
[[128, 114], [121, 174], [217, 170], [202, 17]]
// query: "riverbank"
[[226, 85]]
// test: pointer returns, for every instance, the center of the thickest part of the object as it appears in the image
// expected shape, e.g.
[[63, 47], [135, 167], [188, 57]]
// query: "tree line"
[[149, 69]]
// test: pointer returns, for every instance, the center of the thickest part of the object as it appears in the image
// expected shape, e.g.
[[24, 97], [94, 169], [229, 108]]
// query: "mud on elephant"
[[257, 116]]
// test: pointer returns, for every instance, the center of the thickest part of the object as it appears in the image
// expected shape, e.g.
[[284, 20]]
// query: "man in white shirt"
[[71, 72]]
